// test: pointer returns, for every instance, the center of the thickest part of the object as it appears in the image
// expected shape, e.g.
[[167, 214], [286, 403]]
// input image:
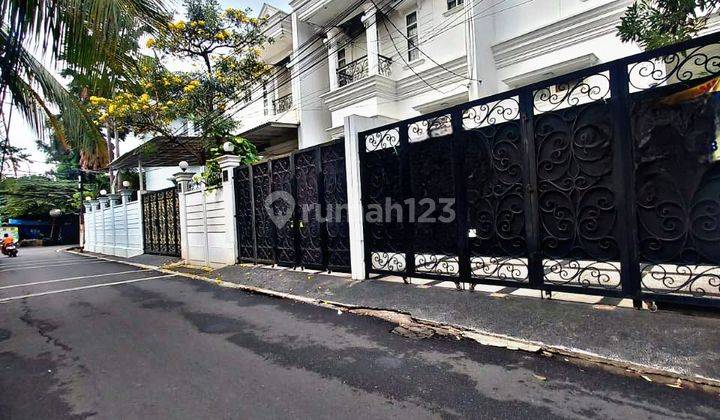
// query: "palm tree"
[[90, 38]]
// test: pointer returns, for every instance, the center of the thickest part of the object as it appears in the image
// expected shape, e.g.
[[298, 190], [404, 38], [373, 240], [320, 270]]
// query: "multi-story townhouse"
[[403, 58], [400, 58], [268, 115]]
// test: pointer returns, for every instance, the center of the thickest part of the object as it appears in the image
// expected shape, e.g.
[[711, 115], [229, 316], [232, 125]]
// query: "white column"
[[309, 80], [141, 178], [228, 163], [482, 70], [369, 19], [331, 43], [126, 193], [183, 178], [140, 194], [89, 232], [103, 248], [94, 205], [114, 199], [206, 240], [353, 125]]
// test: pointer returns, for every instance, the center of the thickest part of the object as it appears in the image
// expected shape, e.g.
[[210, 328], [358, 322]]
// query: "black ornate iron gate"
[[161, 222], [605, 181], [292, 210]]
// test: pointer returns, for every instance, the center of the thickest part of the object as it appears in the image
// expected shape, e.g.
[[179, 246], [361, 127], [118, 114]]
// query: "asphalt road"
[[82, 338]]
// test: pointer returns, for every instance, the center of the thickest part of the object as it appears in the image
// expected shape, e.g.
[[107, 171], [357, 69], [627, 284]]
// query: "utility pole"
[[81, 220]]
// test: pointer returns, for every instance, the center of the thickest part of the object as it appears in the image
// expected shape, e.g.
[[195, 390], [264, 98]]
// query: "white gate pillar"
[[183, 179], [96, 213], [114, 200], [89, 217], [126, 193], [353, 125], [228, 163]]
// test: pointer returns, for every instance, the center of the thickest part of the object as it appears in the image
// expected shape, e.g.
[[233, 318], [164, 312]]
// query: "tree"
[[67, 168], [35, 196], [656, 23], [11, 157], [224, 48], [85, 35]]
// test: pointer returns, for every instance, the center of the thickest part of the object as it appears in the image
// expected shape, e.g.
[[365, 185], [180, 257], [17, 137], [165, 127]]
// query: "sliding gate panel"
[[309, 209], [244, 218], [385, 239], [494, 166], [264, 229], [161, 222], [335, 198], [432, 196], [577, 193], [282, 211], [292, 210]]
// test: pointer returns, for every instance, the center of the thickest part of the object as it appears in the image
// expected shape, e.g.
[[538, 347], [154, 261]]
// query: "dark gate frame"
[[618, 75], [157, 223], [326, 260]]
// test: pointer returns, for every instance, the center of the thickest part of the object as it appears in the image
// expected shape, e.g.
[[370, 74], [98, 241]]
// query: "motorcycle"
[[10, 250]]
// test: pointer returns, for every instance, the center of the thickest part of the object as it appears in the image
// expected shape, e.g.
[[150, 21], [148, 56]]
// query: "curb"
[[406, 321]]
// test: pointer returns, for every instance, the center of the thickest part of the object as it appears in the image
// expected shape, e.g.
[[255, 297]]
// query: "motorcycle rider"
[[7, 240]]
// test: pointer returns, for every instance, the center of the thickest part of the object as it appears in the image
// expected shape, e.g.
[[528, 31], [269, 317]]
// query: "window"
[[341, 58], [247, 96], [412, 36], [452, 3], [266, 101]]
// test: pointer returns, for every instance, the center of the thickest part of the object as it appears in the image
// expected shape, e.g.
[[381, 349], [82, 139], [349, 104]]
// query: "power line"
[[298, 55], [420, 50]]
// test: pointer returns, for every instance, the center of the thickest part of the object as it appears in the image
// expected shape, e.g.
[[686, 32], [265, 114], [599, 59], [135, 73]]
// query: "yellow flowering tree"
[[221, 49]]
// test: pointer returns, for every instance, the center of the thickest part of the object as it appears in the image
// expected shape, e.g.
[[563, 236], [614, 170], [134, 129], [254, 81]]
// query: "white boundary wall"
[[207, 219], [114, 226]]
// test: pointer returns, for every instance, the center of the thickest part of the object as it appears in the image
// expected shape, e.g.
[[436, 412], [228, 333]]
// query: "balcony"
[[282, 104], [359, 69]]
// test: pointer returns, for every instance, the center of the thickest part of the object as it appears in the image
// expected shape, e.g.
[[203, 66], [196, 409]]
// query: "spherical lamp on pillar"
[[126, 184], [228, 147], [183, 165], [103, 192]]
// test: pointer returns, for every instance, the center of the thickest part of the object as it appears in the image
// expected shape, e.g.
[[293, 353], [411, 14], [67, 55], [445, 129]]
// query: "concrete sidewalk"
[[666, 343]]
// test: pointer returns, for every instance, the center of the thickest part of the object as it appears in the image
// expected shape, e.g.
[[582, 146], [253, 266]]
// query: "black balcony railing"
[[283, 103], [358, 69]]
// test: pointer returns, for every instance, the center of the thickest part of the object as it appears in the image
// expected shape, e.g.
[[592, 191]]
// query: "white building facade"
[[394, 60], [400, 59]]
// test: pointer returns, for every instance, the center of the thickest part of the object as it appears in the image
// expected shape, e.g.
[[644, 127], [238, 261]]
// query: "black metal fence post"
[[406, 189], [295, 213], [623, 178], [251, 180], [321, 211], [362, 150], [532, 213], [461, 213]]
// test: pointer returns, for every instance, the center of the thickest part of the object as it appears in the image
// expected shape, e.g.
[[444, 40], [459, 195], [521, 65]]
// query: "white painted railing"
[[113, 226]]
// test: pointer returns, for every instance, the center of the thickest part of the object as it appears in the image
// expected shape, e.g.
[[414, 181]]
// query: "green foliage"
[[11, 157], [656, 23], [223, 47], [212, 174], [35, 196], [67, 168], [89, 37]]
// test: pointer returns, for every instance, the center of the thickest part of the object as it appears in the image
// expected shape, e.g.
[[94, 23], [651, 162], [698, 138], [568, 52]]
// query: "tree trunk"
[[116, 154], [109, 145]]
